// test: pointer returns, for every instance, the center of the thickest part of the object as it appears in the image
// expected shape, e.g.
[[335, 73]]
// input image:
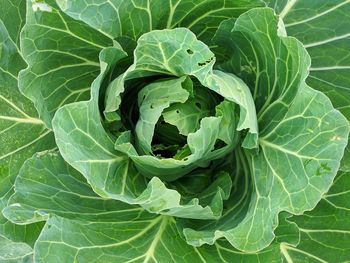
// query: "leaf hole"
[[189, 51]]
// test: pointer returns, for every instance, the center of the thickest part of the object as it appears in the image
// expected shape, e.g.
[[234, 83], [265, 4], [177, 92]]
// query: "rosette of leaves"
[[174, 131]]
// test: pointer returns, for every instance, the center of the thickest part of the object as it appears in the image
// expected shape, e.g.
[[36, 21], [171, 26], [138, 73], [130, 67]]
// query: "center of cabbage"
[[174, 109]]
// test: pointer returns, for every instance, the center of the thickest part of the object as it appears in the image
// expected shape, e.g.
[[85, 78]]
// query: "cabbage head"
[[174, 131]]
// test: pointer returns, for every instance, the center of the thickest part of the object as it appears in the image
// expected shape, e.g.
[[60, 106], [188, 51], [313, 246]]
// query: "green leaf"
[[113, 100], [186, 116], [20, 233], [345, 165], [152, 240], [22, 134], [287, 233], [62, 57], [83, 227], [12, 14], [324, 230], [47, 185], [118, 18], [14, 252], [273, 66], [92, 228], [326, 38], [234, 89]]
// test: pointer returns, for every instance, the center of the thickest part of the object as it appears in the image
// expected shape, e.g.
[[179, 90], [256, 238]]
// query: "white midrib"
[[14, 106], [284, 249], [150, 252], [153, 223], [340, 231], [285, 253], [26, 145], [287, 8], [268, 144], [29, 120], [171, 13], [325, 41], [329, 68], [318, 15]]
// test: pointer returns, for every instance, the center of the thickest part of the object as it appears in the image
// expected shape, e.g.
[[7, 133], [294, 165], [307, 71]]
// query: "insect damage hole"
[[200, 64]]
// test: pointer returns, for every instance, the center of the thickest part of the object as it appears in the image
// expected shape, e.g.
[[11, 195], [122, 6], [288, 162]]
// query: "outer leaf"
[[21, 133], [154, 240], [84, 227], [47, 185], [85, 144], [324, 231], [62, 55], [12, 252], [287, 233], [273, 66], [326, 38], [310, 156], [93, 228], [117, 18], [12, 14], [346, 160]]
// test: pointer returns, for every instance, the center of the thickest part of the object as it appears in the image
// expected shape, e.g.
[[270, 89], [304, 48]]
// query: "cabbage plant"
[[174, 131]]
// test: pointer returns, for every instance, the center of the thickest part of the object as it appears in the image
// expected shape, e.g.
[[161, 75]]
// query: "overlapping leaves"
[[22, 134], [297, 137], [302, 148]]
